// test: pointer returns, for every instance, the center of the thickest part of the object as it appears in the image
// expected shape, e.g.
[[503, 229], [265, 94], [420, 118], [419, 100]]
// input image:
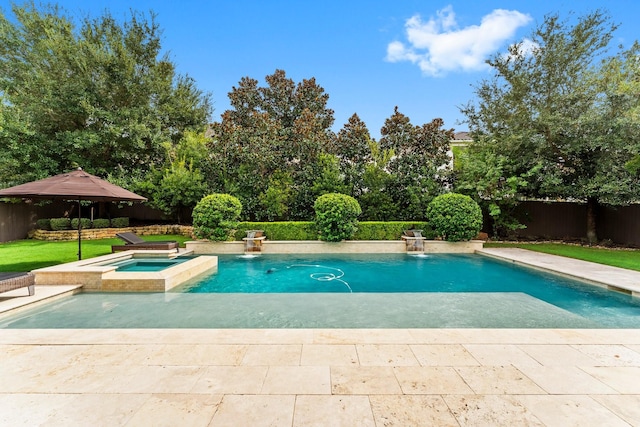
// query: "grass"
[[625, 258], [27, 255]]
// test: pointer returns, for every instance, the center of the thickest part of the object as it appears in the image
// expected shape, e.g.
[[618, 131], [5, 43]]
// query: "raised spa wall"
[[345, 247], [97, 274]]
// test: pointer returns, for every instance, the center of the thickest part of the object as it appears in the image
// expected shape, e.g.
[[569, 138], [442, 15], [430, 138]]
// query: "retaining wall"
[[106, 233]]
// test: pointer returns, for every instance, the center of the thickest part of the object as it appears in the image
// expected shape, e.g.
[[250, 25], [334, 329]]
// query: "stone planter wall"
[[106, 233]]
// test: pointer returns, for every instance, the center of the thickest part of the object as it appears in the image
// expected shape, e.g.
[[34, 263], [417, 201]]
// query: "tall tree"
[[551, 111], [352, 146], [178, 185], [420, 166], [272, 135], [95, 93]]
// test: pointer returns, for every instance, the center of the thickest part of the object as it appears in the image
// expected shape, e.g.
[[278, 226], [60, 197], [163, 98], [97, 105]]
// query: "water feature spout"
[[253, 242], [414, 241]]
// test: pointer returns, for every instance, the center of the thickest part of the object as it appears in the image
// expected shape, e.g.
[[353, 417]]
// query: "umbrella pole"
[[79, 232]]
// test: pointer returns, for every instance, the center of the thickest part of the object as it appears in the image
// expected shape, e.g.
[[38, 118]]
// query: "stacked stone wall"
[[106, 233]]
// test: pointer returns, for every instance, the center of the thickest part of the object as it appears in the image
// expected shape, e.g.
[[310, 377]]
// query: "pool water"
[[349, 291], [146, 264]]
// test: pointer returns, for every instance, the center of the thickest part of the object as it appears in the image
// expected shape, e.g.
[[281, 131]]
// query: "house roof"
[[462, 136]]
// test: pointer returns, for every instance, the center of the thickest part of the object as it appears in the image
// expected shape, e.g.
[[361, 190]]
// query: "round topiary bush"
[[455, 217], [216, 216], [336, 216]]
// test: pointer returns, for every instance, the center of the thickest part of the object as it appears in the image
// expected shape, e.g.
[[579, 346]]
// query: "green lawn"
[[625, 258], [27, 255]]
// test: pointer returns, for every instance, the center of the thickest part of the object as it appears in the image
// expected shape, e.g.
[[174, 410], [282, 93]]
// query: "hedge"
[[305, 230], [86, 223], [101, 223], [283, 230], [44, 224], [390, 230], [58, 224], [122, 222]]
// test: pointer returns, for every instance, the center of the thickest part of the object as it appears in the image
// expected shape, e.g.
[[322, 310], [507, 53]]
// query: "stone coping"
[[613, 278]]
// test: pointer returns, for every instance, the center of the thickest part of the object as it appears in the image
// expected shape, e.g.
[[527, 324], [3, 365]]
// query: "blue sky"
[[369, 56]]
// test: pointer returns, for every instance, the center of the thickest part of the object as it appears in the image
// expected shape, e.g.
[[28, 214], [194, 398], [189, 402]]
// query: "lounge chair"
[[133, 241], [11, 281]]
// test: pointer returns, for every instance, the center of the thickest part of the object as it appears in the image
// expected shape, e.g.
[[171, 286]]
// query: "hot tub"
[[130, 271]]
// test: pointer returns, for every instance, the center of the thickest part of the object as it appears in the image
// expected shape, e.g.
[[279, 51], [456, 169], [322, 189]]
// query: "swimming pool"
[[373, 291]]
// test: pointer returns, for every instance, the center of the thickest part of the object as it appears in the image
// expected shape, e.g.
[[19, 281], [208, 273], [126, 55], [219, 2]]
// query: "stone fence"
[[106, 233]]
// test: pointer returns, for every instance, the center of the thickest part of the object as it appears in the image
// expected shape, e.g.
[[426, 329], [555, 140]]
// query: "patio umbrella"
[[76, 185]]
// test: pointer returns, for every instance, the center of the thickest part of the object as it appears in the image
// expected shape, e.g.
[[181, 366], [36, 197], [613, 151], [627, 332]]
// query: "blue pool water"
[[348, 291], [147, 264]]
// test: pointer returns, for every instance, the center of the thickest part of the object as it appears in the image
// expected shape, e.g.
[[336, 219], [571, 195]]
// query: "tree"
[[276, 199], [352, 148], [551, 110], [420, 167], [330, 180], [485, 176], [280, 130], [376, 203], [176, 187], [179, 190], [94, 93]]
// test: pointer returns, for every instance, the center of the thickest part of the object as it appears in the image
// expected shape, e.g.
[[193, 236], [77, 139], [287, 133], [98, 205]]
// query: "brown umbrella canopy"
[[76, 185]]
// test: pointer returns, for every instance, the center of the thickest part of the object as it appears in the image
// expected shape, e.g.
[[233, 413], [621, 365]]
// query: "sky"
[[425, 57]]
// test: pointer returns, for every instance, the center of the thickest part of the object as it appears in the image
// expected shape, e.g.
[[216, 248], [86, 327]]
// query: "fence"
[[18, 219], [565, 220]]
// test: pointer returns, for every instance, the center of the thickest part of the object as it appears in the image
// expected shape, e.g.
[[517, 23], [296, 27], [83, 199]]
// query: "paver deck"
[[337, 377]]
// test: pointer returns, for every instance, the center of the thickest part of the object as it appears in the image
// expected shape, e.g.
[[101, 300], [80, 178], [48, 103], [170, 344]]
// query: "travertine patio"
[[320, 377]]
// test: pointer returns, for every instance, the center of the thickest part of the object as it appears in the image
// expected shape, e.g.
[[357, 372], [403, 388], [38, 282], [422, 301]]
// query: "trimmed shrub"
[[43, 224], [336, 216], [215, 217], [58, 224], [455, 217], [390, 230], [101, 223], [121, 222], [86, 223], [282, 230], [306, 230]]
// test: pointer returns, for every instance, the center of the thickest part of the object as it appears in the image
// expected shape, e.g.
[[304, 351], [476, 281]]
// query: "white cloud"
[[526, 47], [439, 45]]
